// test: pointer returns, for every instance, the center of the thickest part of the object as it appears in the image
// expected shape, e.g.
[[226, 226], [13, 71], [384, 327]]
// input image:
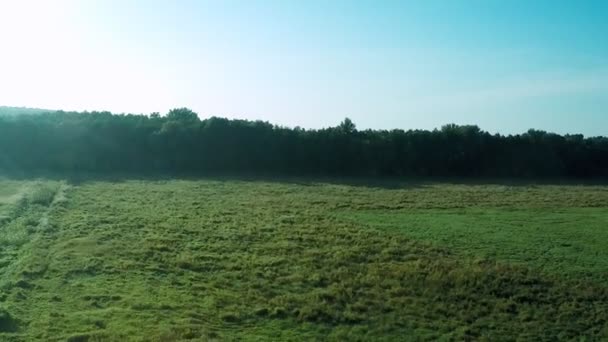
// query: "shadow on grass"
[[390, 183], [7, 323]]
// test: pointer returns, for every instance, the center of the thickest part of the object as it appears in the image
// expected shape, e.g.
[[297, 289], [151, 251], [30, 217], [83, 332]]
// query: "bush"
[[43, 194]]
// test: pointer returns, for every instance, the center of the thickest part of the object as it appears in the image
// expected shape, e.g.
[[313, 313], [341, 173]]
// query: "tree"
[[184, 115], [347, 126]]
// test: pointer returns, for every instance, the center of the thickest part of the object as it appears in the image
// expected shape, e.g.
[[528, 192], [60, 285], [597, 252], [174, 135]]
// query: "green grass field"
[[176, 260]]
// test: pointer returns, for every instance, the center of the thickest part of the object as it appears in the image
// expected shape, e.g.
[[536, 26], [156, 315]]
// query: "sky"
[[505, 66]]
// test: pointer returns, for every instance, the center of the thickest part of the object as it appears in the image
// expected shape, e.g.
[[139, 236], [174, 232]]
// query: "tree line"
[[180, 143]]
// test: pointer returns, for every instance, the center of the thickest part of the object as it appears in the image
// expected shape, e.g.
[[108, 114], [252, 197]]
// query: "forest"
[[180, 143]]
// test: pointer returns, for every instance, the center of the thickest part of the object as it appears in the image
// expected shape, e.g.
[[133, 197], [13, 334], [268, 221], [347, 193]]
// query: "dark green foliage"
[[7, 322], [181, 143]]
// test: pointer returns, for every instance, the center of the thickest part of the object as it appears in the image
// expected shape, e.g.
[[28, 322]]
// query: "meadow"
[[299, 259]]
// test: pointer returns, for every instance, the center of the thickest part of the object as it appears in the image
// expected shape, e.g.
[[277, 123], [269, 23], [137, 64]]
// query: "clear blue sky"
[[505, 65]]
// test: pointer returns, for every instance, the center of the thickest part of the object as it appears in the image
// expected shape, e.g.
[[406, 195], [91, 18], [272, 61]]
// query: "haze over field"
[[504, 65]]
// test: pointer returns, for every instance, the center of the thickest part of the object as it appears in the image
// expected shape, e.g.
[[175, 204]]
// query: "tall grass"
[[232, 260]]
